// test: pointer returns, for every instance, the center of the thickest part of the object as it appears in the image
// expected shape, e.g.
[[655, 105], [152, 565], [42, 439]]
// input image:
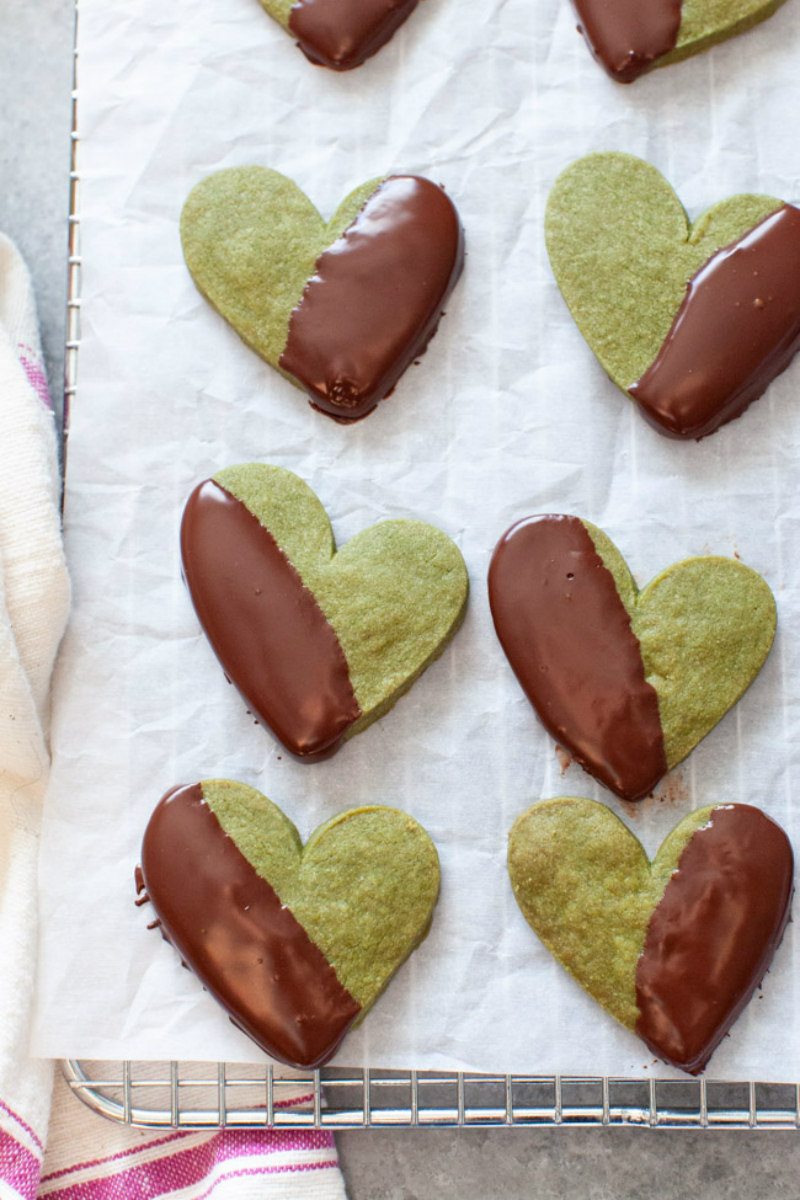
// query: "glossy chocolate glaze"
[[627, 36], [343, 33], [713, 934], [567, 635], [267, 630], [375, 298], [229, 925], [737, 328]]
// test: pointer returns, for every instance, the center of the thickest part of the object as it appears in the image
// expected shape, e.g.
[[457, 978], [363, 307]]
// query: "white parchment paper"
[[508, 414]]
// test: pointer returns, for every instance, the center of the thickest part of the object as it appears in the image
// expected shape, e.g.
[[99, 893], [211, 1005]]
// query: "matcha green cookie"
[[320, 643], [340, 34], [628, 37], [692, 320], [627, 681], [340, 309], [673, 949], [297, 943]]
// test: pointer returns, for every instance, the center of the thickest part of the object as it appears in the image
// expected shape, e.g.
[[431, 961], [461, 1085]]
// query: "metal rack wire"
[[73, 326], [203, 1095]]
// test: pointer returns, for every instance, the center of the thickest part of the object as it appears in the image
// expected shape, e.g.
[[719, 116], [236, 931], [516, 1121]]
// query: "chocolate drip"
[[627, 36], [713, 934], [267, 630], [568, 637], [375, 298], [737, 328], [247, 949], [141, 893], [342, 33]]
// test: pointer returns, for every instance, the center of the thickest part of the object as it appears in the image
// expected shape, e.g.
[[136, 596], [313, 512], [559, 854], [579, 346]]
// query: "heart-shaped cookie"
[[341, 309], [693, 321], [674, 948], [340, 34], [628, 681], [320, 643], [628, 37], [296, 943]]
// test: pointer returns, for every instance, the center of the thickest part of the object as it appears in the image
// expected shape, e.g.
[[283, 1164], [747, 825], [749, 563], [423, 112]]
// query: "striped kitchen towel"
[[83, 1157], [34, 598], [111, 1162]]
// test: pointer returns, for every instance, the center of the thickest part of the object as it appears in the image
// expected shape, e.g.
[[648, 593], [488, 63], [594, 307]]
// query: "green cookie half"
[[251, 240], [363, 887], [627, 681], [341, 308], [705, 627], [297, 943], [320, 642], [279, 9], [622, 250], [706, 22], [588, 890], [672, 948], [628, 39]]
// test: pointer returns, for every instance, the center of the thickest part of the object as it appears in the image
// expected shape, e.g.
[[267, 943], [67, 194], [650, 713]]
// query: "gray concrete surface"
[[619, 1164], [570, 1164], [35, 122]]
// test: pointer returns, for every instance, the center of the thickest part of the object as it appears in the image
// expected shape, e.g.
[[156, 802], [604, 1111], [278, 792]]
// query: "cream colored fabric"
[[34, 599]]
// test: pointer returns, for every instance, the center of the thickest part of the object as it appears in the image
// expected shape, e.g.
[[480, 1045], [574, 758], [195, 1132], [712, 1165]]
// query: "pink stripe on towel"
[[164, 1181], [19, 1169], [37, 1141], [109, 1158], [35, 372], [183, 1168], [169, 1138]]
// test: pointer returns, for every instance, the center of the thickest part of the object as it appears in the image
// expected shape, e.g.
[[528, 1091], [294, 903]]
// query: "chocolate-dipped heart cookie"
[[628, 37], [627, 681], [319, 643], [296, 943], [674, 948], [692, 321], [341, 309], [340, 34]]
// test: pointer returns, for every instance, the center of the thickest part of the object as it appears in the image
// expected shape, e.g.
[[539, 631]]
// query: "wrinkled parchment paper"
[[507, 414]]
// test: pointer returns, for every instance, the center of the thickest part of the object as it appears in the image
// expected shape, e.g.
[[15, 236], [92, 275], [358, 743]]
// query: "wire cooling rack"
[[73, 324], [203, 1095]]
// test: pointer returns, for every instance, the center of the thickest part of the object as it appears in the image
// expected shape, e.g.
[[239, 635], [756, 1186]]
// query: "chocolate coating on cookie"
[[247, 949], [713, 934], [341, 34], [737, 328], [568, 637], [281, 650], [375, 298], [627, 36]]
